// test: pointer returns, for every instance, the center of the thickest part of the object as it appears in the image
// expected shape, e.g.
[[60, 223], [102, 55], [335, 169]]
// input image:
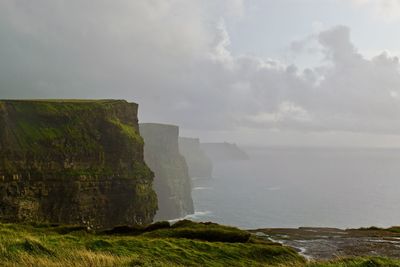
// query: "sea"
[[294, 187]]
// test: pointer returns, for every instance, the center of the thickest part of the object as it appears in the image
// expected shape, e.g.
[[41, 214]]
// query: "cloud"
[[286, 111], [347, 92], [386, 10], [173, 57]]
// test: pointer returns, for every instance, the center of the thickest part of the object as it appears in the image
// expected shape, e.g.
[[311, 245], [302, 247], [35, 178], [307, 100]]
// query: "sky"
[[254, 72]]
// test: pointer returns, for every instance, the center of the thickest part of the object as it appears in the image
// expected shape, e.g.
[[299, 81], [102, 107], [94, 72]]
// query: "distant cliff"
[[171, 183], [224, 151], [198, 162], [74, 162]]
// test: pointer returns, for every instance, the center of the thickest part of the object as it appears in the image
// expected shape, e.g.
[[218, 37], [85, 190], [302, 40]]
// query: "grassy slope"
[[27, 245]]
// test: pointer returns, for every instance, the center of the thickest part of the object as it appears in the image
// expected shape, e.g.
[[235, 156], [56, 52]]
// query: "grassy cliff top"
[[183, 244], [65, 100], [59, 106], [68, 128], [63, 103]]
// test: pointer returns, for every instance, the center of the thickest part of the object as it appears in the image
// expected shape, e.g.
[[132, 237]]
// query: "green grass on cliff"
[[53, 119], [127, 130], [183, 244], [50, 128]]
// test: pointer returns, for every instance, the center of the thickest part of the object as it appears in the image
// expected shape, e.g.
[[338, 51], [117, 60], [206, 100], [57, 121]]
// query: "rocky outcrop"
[[198, 162], [224, 151], [73, 162], [171, 182]]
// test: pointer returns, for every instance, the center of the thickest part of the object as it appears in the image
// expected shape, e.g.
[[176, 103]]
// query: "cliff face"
[[74, 162], [198, 162], [171, 183], [224, 151]]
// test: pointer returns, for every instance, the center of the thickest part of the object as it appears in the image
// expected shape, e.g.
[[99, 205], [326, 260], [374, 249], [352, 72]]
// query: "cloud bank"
[[173, 57]]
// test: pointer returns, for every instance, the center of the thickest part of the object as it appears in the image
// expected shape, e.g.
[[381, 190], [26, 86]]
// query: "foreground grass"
[[183, 244]]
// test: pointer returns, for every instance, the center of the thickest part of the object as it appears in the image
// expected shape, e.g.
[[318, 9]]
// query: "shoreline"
[[319, 243]]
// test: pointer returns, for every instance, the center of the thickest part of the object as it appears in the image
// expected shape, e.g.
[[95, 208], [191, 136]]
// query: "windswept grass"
[[393, 229], [184, 244], [155, 245]]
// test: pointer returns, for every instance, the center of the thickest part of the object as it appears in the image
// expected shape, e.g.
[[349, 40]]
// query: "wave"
[[194, 216], [202, 188], [197, 214], [202, 178]]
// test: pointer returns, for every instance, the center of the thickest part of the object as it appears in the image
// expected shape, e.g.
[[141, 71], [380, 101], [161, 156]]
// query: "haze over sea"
[[293, 187]]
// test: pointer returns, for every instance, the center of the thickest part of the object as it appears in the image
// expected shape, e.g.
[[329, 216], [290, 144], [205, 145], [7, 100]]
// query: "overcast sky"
[[269, 72]]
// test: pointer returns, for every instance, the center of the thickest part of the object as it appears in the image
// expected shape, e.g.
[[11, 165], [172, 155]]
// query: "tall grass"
[[158, 245], [184, 244]]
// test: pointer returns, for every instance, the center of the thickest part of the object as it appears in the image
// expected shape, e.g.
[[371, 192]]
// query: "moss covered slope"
[[73, 161]]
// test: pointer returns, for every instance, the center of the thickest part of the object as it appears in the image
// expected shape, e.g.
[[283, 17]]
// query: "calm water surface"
[[292, 187]]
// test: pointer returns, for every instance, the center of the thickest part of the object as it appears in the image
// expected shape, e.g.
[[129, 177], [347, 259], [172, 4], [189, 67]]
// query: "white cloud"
[[386, 10], [220, 52], [286, 111], [394, 94]]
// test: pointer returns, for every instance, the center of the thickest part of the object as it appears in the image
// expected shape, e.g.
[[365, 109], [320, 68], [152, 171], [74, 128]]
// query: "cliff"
[[198, 162], [224, 151], [73, 162], [171, 182]]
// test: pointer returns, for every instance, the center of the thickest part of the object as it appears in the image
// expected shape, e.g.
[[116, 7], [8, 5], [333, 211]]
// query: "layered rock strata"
[[73, 162], [171, 182]]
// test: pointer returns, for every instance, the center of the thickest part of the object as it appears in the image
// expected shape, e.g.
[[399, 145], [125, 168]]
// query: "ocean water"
[[293, 187]]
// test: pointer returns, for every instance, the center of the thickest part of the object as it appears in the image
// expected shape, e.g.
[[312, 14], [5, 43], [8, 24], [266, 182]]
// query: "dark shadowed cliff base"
[[171, 182], [73, 162]]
